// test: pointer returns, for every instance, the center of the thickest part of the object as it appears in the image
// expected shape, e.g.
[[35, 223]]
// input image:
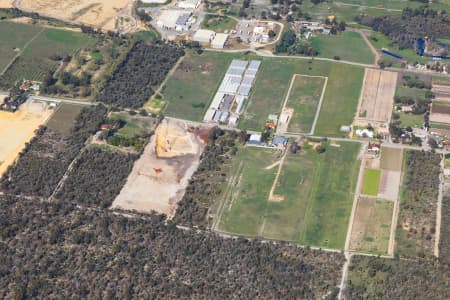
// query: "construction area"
[[235, 88], [18, 128], [101, 14], [376, 100], [166, 165]]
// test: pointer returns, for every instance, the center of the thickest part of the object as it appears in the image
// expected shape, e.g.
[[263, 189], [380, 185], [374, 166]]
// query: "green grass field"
[[135, 125], [371, 182], [218, 23], [411, 120], [410, 92], [330, 46], [304, 99], [13, 36], [318, 196], [193, 85], [35, 61]]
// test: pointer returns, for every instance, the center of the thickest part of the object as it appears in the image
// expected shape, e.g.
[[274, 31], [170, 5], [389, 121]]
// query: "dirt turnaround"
[[160, 177]]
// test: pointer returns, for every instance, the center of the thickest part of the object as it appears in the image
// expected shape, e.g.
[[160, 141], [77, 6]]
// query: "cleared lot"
[[440, 113], [97, 13], [391, 159], [160, 176], [377, 97], [16, 129], [372, 226]]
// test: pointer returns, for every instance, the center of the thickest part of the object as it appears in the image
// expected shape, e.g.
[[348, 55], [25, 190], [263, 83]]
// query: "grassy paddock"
[[318, 195], [218, 23], [330, 46], [304, 99], [371, 182]]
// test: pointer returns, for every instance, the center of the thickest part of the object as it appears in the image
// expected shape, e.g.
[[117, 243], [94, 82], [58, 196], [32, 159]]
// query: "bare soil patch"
[[391, 158], [160, 176], [6, 3], [440, 113], [377, 97], [99, 13], [16, 129], [441, 92], [389, 185]]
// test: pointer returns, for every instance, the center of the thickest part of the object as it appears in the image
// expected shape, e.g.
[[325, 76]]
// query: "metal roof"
[[254, 65], [238, 64], [244, 90]]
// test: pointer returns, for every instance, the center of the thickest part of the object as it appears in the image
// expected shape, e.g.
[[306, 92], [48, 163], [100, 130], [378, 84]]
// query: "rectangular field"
[[304, 100], [391, 159], [64, 117], [371, 182], [315, 195], [17, 129], [440, 113], [377, 97], [372, 226]]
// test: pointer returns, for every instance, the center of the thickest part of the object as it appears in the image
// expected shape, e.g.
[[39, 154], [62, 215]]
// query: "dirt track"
[[377, 97]]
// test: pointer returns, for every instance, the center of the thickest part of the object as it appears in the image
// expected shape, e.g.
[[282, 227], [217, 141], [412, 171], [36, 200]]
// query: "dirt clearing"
[[6, 3], [100, 13], [16, 129], [160, 176], [377, 97]]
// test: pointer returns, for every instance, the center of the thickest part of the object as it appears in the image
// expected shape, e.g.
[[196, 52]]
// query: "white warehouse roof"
[[254, 65], [230, 84], [238, 64], [219, 40], [203, 36]]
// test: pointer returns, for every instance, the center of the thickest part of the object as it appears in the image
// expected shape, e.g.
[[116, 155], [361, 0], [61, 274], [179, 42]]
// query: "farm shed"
[[203, 36], [219, 41]]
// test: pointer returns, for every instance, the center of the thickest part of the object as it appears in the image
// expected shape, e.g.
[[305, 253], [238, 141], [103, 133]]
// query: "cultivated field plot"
[[377, 97], [64, 117], [6, 3], [440, 113], [372, 226], [160, 176], [96, 13], [303, 100], [38, 58], [13, 38], [314, 195], [441, 92], [18, 128]]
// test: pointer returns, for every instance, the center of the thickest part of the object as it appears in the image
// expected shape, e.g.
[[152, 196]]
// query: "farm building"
[[280, 142], [232, 92], [174, 20], [189, 4], [203, 36], [219, 41]]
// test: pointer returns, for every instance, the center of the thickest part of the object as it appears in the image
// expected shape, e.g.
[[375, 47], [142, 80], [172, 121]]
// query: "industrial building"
[[189, 4], [234, 89], [219, 41], [177, 20], [203, 36]]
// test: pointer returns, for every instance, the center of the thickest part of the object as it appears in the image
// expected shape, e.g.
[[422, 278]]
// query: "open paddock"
[[441, 92], [17, 129], [391, 158], [64, 117], [372, 226], [160, 176], [314, 195], [377, 97], [304, 100]]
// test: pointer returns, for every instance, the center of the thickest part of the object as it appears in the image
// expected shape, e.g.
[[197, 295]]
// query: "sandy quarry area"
[[6, 3], [377, 97], [99, 13], [158, 182], [18, 128]]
